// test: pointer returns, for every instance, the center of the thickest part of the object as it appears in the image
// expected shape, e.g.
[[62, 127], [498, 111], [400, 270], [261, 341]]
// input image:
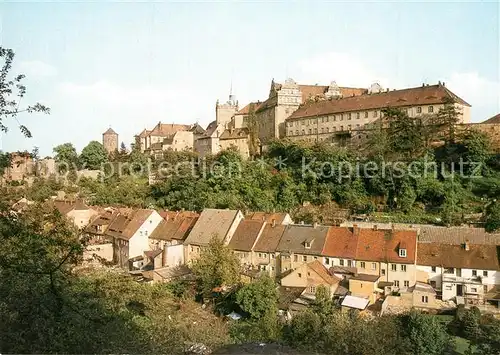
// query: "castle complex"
[[313, 113]]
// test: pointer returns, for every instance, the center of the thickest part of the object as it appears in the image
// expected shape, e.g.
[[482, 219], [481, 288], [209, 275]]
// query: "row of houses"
[[421, 262]]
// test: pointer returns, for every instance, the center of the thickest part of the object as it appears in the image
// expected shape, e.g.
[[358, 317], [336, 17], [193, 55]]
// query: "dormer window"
[[307, 245], [402, 253]]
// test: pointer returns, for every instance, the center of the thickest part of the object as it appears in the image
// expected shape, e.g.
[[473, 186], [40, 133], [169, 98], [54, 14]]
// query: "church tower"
[[224, 112], [110, 141]]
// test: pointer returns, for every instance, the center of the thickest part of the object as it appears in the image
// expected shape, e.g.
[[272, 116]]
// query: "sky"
[[129, 65]]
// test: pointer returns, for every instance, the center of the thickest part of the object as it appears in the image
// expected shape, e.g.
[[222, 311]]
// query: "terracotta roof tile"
[[384, 245], [235, 133], [176, 228], [167, 129], [269, 239], [278, 217], [482, 257], [424, 95], [322, 271], [245, 235], [494, 119], [124, 226], [110, 132], [340, 242], [246, 110]]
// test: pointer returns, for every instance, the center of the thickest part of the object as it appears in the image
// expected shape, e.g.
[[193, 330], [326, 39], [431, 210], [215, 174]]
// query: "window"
[[304, 258], [374, 113], [334, 118], [474, 272], [341, 117], [382, 272], [303, 132], [327, 261], [425, 299], [315, 130], [349, 116], [366, 114], [302, 123], [327, 119], [402, 253], [357, 115], [474, 289], [349, 263], [146, 232], [419, 109], [312, 289], [341, 128], [341, 262], [308, 273], [393, 267], [449, 270], [297, 133], [396, 283], [433, 284], [348, 127], [273, 256], [327, 129], [430, 109], [272, 268], [357, 126], [315, 258], [362, 264], [307, 245], [295, 258], [485, 273], [374, 266], [406, 283], [433, 268], [300, 275], [310, 131], [403, 268], [485, 288]]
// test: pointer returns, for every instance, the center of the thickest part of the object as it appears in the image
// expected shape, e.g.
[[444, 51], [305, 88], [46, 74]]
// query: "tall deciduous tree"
[[66, 156], [93, 155], [217, 266], [258, 298]]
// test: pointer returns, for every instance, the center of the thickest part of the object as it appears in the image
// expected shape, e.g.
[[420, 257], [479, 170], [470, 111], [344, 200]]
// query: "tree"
[[66, 157], [10, 88], [217, 266], [258, 298], [405, 134], [253, 131], [93, 156], [447, 117], [492, 222], [424, 334], [323, 303]]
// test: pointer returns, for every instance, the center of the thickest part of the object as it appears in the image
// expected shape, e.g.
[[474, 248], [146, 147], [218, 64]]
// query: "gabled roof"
[[234, 133], [269, 239], [176, 228], [167, 129], [197, 129], [424, 95], [110, 132], [66, 206], [295, 236], [481, 257], [457, 235], [124, 226], [322, 271], [245, 235], [277, 217], [212, 222], [105, 218], [494, 119], [384, 245], [340, 242], [246, 110], [311, 91], [144, 133]]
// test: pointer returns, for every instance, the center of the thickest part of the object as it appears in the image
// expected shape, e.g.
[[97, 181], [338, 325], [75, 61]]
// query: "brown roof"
[[212, 222], [322, 271], [124, 226], [365, 277], [482, 257], [144, 133], [457, 235], [246, 110], [176, 228], [278, 218], [110, 132], [167, 129], [177, 214], [384, 245], [311, 91], [424, 95], [245, 235], [295, 237], [494, 119], [103, 219], [287, 294], [340, 242], [269, 238], [235, 133], [66, 206]]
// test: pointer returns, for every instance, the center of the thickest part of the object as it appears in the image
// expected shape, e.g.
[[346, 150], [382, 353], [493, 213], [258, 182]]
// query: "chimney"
[[375, 227], [423, 84], [466, 245], [274, 223], [443, 83], [439, 82]]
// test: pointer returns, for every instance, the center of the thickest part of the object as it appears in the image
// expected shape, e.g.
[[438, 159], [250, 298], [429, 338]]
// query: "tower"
[[224, 112], [110, 140]]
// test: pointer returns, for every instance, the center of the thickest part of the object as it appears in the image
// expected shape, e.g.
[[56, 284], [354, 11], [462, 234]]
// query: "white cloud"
[[343, 68], [37, 68]]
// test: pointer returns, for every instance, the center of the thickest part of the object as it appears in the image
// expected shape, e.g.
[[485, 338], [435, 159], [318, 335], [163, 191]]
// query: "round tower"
[[110, 140]]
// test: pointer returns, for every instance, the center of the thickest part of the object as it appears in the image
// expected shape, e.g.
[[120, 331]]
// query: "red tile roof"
[[269, 239], [384, 245], [340, 242], [278, 217], [124, 226], [176, 228], [246, 110], [322, 271], [167, 129], [424, 95]]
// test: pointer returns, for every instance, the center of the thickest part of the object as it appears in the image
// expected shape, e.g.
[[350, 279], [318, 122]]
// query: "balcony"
[[462, 280]]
